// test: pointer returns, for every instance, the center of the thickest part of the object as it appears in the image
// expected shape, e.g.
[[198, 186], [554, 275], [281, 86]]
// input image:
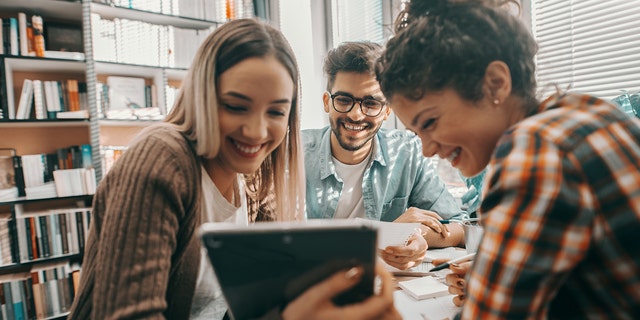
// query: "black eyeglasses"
[[344, 103]]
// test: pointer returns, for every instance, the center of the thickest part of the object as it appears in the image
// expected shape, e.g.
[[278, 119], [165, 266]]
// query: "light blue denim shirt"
[[397, 178]]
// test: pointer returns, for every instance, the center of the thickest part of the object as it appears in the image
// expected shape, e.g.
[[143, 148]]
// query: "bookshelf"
[[113, 37]]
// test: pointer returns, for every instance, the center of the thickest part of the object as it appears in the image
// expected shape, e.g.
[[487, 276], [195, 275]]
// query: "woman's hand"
[[425, 217], [456, 280], [406, 256], [316, 303]]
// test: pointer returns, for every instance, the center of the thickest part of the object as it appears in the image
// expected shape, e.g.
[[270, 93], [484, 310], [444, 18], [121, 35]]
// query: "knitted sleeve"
[[139, 211]]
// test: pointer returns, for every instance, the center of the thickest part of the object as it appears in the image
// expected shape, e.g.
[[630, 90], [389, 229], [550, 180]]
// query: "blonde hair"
[[195, 111]]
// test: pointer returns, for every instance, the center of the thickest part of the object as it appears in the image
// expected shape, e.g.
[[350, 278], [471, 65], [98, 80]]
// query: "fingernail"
[[352, 273], [460, 283]]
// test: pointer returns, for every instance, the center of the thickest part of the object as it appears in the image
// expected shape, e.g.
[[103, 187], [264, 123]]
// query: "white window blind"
[[590, 45], [355, 20]]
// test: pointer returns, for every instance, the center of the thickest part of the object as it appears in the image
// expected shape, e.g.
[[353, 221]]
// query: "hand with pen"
[[408, 255], [456, 280]]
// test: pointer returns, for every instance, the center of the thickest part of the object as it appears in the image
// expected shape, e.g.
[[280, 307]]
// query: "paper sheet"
[[391, 233], [428, 309]]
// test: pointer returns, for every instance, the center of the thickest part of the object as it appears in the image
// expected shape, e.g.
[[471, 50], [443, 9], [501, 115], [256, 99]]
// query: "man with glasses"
[[355, 168]]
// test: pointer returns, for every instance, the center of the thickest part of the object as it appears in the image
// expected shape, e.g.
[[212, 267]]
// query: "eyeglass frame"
[[358, 100]]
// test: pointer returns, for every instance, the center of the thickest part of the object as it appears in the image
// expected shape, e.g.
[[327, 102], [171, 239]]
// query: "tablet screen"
[[265, 266]]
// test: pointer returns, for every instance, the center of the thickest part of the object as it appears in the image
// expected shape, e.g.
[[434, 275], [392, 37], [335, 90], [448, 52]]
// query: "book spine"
[[53, 291], [13, 37], [37, 295], [29, 300], [38, 100], [22, 34], [12, 240], [81, 235], [63, 233], [72, 230], [56, 246], [8, 298], [16, 295], [38, 233], [46, 237], [34, 238], [22, 238], [29, 232], [19, 175]]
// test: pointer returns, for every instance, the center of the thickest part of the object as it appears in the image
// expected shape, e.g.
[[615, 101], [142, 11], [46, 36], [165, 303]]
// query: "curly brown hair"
[[449, 44]]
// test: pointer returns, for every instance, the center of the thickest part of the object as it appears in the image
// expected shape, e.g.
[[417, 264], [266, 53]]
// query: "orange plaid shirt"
[[561, 216]]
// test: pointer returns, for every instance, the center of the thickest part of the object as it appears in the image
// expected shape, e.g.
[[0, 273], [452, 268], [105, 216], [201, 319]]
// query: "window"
[[590, 45], [355, 20]]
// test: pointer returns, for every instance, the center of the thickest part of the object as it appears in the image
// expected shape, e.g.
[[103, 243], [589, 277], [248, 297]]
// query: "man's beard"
[[350, 144]]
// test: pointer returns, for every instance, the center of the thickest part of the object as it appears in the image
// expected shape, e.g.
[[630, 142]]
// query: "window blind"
[[355, 20], [591, 46]]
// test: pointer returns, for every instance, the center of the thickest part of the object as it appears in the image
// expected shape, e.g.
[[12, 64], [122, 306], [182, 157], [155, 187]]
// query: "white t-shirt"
[[351, 205], [208, 302]]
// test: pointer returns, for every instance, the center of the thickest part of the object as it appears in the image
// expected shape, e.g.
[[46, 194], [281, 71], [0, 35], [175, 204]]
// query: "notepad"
[[424, 288]]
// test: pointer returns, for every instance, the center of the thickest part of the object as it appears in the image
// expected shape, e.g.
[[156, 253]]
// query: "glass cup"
[[472, 236]]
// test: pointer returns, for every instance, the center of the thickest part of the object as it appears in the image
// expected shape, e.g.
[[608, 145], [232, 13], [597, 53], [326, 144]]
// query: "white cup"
[[472, 236]]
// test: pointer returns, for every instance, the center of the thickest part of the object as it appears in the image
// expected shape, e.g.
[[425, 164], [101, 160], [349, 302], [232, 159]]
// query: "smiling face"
[[255, 99], [453, 128], [353, 131]]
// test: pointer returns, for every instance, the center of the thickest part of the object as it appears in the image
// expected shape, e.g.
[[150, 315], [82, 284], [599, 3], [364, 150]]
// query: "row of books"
[[51, 100], [24, 35], [40, 294], [128, 98], [212, 10], [33, 175], [50, 233], [136, 42]]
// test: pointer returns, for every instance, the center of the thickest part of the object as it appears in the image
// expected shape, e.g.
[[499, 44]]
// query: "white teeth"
[[352, 127], [453, 155], [246, 149]]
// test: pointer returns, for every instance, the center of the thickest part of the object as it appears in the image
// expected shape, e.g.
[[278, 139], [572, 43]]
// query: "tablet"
[[266, 265]]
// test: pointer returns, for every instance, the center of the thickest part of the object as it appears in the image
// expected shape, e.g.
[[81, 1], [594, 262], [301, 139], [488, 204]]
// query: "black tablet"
[[266, 265]]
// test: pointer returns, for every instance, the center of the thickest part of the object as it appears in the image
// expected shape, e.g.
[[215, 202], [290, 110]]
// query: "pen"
[[445, 265], [447, 221]]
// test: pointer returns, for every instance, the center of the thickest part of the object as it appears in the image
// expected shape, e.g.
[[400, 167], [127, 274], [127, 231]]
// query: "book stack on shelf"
[[41, 246], [50, 233], [44, 292], [128, 98], [52, 100], [28, 35], [66, 172]]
